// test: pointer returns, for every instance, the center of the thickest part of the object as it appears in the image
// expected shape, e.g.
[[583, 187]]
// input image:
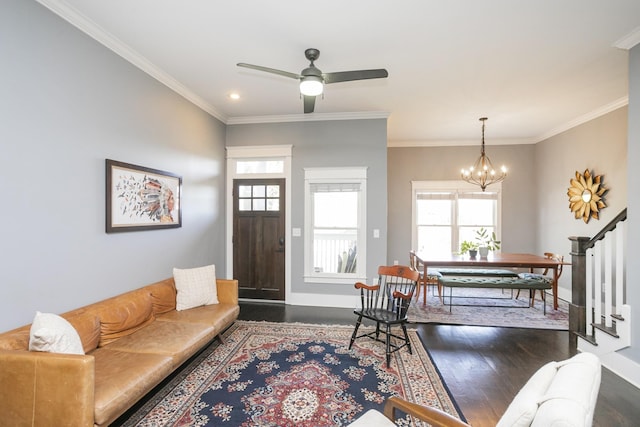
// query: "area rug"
[[284, 374], [490, 307]]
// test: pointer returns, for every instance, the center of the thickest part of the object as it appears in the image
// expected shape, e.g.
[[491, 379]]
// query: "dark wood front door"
[[258, 237]]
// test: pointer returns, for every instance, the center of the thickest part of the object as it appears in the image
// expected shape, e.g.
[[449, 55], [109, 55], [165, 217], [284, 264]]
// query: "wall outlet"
[[395, 262]]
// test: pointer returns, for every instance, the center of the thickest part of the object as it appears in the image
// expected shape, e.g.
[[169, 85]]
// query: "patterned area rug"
[[283, 374], [490, 307]]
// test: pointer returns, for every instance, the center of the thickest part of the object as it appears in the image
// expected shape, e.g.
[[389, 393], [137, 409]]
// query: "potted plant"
[[468, 246], [486, 242]]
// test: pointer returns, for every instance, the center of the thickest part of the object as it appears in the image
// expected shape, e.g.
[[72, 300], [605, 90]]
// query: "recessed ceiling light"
[[234, 96]]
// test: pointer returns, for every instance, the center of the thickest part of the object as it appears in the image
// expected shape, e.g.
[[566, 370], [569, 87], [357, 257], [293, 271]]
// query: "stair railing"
[[598, 280]]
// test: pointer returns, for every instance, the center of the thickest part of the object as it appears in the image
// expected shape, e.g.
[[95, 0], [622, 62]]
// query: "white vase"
[[484, 251]]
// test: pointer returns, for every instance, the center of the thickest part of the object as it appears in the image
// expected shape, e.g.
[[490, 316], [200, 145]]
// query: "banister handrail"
[[609, 227]]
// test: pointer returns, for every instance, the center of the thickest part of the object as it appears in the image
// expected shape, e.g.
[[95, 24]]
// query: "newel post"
[[577, 306]]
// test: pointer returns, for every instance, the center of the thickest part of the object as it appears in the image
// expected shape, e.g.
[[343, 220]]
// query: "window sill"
[[337, 280]]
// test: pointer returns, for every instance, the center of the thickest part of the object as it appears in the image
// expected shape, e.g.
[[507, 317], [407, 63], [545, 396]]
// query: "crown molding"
[[621, 102], [629, 41], [618, 103], [313, 117], [92, 29], [458, 142]]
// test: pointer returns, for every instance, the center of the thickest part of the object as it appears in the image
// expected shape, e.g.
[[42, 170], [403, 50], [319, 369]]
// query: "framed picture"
[[140, 198]]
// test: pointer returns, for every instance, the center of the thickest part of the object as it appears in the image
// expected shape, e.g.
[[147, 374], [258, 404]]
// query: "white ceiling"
[[534, 67]]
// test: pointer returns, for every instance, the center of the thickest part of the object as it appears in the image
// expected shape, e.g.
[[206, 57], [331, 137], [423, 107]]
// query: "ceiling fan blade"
[[345, 76], [309, 103], [270, 70]]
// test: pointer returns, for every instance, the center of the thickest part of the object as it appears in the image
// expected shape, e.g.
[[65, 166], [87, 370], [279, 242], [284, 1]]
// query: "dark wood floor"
[[483, 367]]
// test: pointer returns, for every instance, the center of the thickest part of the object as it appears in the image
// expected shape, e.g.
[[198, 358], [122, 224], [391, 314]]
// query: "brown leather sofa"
[[131, 342]]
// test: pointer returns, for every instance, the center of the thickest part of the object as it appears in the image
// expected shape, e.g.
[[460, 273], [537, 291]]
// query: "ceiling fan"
[[312, 80]]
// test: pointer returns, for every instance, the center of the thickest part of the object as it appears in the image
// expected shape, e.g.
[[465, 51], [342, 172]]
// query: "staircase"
[[599, 318]]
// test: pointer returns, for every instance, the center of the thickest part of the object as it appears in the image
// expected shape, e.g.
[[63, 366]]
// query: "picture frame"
[[141, 198]]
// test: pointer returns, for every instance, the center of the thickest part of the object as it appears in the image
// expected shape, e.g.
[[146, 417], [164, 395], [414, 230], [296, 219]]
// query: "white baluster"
[[620, 258], [589, 288], [608, 277], [597, 280]]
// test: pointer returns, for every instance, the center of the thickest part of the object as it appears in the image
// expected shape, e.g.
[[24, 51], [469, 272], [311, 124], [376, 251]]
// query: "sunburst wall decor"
[[585, 195]]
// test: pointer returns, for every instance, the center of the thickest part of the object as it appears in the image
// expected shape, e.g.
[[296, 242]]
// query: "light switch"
[[376, 233]]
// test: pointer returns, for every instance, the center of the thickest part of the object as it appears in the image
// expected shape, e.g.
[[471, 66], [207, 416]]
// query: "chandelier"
[[482, 172]]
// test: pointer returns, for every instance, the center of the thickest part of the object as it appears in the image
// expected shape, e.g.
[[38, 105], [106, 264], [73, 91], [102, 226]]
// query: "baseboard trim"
[[622, 366], [324, 300]]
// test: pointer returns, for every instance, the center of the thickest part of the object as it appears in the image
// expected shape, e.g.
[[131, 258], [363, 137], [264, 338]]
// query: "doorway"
[[259, 238]]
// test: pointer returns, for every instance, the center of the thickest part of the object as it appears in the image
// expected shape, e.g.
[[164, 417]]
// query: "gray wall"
[[444, 163], [67, 104], [633, 212], [599, 145], [329, 144]]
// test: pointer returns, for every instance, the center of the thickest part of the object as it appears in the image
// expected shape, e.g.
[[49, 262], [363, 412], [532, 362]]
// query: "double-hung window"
[[335, 224], [445, 213]]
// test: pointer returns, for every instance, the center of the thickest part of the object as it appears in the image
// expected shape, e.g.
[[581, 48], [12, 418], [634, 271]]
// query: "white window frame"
[[335, 176], [451, 186]]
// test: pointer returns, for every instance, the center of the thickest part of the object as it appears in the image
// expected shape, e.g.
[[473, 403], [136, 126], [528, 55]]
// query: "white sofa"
[[559, 394]]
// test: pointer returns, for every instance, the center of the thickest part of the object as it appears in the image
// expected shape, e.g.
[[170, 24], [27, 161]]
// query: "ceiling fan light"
[[311, 86]]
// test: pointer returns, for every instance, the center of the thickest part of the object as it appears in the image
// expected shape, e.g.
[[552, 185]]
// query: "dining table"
[[497, 259]]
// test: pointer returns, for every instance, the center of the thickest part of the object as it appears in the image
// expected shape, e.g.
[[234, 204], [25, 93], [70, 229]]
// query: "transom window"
[[270, 166], [447, 213]]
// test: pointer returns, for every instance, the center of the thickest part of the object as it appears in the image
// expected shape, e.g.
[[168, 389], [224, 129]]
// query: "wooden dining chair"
[[426, 279], [542, 276], [387, 304]]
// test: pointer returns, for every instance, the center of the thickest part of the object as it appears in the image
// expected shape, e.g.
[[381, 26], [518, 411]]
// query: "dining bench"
[[432, 274], [484, 272], [493, 282]]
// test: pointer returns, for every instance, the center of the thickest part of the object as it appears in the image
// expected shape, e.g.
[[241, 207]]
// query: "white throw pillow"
[[571, 397], [372, 418], [54, 334], [195, 286], [522, 409]]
